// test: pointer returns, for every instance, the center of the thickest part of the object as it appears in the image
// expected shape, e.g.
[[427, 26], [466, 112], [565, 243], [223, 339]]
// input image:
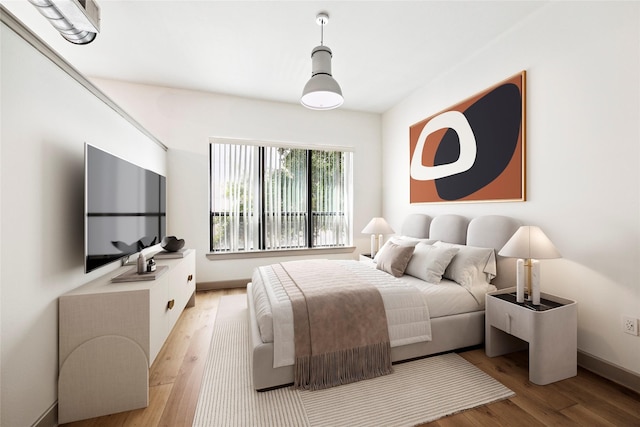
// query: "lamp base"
[[374, 245], [530, 274], [535, 282]]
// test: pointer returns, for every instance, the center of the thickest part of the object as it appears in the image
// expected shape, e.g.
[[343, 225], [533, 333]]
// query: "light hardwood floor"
[[585, 400]]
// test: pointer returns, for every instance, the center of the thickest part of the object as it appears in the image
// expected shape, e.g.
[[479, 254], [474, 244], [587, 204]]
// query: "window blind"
[[273, 198]]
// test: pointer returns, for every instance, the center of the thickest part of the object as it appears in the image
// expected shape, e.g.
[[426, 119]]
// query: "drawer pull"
[[171, 303], [189, 277], [507, 323]]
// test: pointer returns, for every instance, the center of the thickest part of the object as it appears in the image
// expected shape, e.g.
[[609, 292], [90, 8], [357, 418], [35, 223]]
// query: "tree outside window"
[[271, 198]]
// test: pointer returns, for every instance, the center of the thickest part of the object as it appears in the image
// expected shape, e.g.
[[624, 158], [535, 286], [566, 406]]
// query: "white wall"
[[185, 120], [583, 157], [46, 118]]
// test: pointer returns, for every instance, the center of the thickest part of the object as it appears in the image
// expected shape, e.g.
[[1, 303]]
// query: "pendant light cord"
[[322, 34]]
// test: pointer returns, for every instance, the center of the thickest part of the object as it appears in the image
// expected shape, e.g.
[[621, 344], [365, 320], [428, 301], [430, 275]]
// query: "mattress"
[[405, 306], [443, 299]]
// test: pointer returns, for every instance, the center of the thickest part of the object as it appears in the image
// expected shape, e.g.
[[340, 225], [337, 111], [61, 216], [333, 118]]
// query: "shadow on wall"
[[62, 245]]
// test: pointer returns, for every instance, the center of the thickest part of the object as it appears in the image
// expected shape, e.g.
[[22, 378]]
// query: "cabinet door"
[[158, 315], [182, 281], [87, 316]]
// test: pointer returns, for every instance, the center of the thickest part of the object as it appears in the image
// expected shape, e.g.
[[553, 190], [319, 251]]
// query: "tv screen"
[[125, 208]]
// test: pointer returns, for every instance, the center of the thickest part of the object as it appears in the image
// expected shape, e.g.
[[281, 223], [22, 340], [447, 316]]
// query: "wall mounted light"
[[322, 91]]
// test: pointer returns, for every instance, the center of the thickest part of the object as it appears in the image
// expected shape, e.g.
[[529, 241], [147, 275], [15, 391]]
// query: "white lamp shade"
[[529, 242], [322, 91], [378, 226]]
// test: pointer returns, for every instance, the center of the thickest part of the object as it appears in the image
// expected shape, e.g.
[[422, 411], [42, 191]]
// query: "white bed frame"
[[448, 332]]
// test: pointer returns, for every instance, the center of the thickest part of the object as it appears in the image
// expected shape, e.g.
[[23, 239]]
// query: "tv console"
[[110, 333]]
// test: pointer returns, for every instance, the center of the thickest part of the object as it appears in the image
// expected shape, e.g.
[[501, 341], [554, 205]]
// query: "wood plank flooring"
[[585, 400]]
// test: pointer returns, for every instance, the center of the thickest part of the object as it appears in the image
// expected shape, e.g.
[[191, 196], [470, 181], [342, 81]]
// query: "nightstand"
[[367, 259], [550, 330]]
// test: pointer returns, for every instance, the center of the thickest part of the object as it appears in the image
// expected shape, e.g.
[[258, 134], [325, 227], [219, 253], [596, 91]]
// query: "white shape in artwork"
[[456, 121]]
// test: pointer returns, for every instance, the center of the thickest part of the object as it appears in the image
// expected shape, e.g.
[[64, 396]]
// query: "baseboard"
[[617, 374], [222, 284], [49, 418]]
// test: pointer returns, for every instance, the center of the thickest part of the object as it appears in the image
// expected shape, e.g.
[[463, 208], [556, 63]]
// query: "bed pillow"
[[402, 241], [429, 262], [394, 259], [471, 265]]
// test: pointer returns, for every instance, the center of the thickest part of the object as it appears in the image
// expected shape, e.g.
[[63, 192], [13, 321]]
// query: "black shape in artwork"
[[495, 121]]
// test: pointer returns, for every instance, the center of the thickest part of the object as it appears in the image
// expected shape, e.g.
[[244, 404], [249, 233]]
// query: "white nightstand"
[[550, 329], [366, 258]]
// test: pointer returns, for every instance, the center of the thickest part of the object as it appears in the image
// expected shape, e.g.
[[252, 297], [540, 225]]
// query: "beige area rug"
[[417, 392]]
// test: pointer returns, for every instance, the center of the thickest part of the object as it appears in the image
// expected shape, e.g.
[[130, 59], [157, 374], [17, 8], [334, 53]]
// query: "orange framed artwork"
[[473, 151]]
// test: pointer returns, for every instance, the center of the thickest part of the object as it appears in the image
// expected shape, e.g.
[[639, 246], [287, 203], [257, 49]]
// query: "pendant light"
[[321, 92]]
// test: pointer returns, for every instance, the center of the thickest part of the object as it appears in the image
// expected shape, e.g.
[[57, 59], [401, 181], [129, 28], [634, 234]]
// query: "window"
[[273, 198]]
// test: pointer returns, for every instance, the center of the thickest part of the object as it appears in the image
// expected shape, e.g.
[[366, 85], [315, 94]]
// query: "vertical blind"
[[234, 197], [270, 198]]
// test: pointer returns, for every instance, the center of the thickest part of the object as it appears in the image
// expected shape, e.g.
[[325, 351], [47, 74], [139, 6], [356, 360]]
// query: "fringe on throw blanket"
[[326, 370]]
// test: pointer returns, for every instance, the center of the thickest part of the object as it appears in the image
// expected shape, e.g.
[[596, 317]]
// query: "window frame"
[[347, 209]]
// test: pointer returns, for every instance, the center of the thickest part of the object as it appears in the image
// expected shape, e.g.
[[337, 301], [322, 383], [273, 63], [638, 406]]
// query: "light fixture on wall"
[[78, 21], [322, 91], [529, 243], [377, 227]]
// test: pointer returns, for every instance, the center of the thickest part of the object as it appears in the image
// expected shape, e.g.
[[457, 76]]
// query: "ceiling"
[[382, 50]]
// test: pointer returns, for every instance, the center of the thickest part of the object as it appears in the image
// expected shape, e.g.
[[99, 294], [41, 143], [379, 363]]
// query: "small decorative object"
[[172, 244], [377, 227], [530, 244], [141, 263], [151, 266]]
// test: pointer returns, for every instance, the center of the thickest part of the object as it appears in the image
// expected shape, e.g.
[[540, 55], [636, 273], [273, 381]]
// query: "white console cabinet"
[[110, 334]]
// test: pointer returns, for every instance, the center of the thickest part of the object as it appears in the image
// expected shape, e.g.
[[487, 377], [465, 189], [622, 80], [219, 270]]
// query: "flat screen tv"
[[125, 208]]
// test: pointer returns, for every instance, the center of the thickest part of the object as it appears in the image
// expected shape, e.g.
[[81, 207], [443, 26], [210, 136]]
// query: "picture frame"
[[473, 151]]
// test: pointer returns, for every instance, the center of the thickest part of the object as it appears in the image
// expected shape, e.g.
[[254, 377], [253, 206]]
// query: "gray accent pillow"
[[430, 262], [394, 259]]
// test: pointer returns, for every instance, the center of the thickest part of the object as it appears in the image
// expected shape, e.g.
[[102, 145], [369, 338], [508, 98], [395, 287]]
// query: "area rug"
[[416, 392]]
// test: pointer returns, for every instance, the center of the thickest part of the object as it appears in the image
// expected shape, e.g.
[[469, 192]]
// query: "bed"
[[455, 312]]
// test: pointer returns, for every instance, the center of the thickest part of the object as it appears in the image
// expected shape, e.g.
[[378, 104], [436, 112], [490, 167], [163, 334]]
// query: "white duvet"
[[405, 305], [448, 297]]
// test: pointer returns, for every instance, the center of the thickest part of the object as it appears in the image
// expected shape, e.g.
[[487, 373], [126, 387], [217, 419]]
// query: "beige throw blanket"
[[340, 325]]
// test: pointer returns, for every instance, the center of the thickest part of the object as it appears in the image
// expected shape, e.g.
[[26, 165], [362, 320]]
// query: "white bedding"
[[406, 308], [448, 297]]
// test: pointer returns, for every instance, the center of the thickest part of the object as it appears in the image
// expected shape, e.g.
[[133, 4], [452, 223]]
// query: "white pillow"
[[394, 259], [402, 241], [471, 265], [429, 262]]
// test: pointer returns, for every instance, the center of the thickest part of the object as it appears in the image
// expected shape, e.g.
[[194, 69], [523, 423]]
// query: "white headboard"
[[489, 231]]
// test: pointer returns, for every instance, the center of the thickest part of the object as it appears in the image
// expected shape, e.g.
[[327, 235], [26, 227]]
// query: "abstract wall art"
[[473, 151]]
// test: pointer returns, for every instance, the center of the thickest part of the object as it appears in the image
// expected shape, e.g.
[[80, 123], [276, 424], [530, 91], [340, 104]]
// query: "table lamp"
[[529, 243], [377, 227]]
